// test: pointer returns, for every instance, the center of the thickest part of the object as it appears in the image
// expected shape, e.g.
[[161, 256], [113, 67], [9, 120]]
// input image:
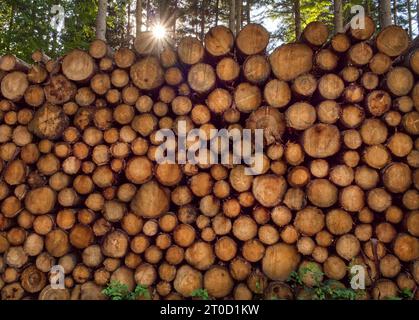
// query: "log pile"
[[80, 186]]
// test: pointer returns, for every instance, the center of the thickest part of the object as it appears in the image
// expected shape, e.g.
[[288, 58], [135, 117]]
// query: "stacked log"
[[81, 186]]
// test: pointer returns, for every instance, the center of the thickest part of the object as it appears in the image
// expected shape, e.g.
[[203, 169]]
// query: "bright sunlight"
[[159, 31]]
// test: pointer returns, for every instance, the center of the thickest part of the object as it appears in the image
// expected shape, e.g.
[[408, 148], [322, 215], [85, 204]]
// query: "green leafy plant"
[[322, 291], [140, 291], [258, 288], [344, 293], [313, 270], [406, 293], [295, 278], [118, 291], [393, 298], [201, 293]]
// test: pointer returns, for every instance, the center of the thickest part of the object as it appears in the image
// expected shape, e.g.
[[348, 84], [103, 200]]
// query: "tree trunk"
[[409, 16], [11, 25], [175, 15], [54, 41], [367, 7], [232, 20], [338, 16], [248, 5], [297, 19], [385, 13], [162, 10], [395, 11], [202, 20], [147, 23], [101, 20], [196, 14], [217, 3], [417, 11], [138, 17], [239, 7], [128, 23]]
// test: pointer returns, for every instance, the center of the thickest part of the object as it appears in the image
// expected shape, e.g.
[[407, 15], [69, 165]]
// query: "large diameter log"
[[124, 57], [227, 69], [291, 60], [400, 81], [168, 56], [392, 41], [219, 100], [378, 102], [99, 49], [380, 63], [190, 50], [340, 42], [309, 221], [78, 65], [150, 201], [115, 244], [252, 39], [300, 115], [247, 97], [360, 54], [49, 122], [14, 85], [32, 279], [362, 34], [414, 61], [40, 200], [331, 86], [9, 62], [201, 77], [147, 74], [406, 247], [270, 120], [304, 85], [277, 93], [280, 260], [59, 90], [219, 41], [316, 33], [269, 189], [218, 282], [56, 243], [326, 60], [397, 177], [321, 140], [256, 69], [49, 293]]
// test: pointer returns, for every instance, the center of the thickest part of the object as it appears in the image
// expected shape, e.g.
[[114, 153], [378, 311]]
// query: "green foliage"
[[258, 287], [116, 24], [118, 291], [325, 291], [201, 293], [328, 290], [27, 25], [295, 278], [313, 270], [407, 293]]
